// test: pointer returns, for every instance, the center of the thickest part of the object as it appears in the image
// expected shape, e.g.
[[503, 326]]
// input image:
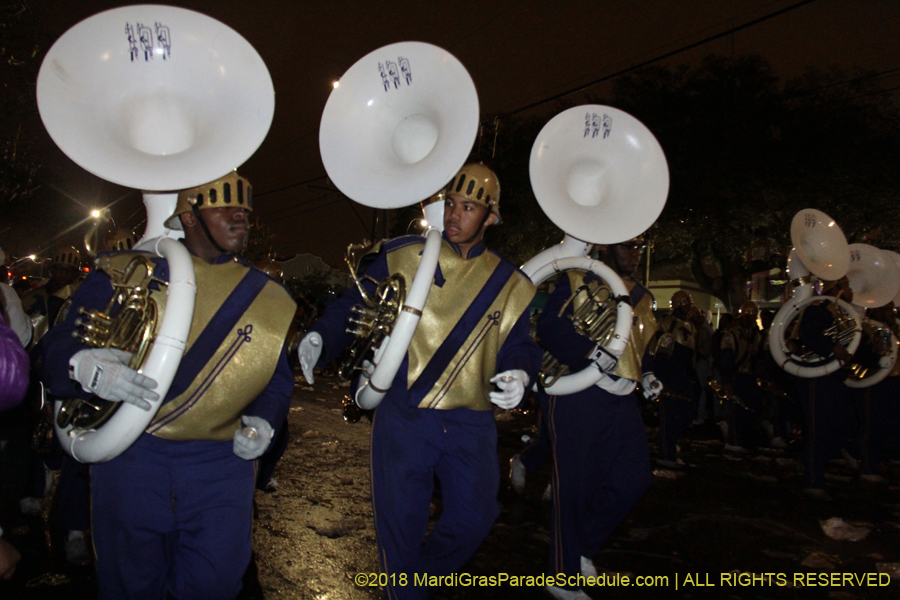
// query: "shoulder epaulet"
[[638, 292]]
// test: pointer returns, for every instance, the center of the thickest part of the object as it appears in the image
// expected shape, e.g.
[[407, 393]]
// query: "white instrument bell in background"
[[820, 249], [873, 276], [601, 176]]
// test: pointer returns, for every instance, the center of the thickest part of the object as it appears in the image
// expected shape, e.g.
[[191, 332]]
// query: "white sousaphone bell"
[[160, 99], [601, 176], [820, 249], [874, 277], [398, 126]]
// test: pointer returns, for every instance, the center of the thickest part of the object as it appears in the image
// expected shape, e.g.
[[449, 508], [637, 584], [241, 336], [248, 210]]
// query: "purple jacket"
[[13, 368]]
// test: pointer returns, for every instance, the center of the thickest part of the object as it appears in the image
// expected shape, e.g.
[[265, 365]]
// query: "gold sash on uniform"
[[465, 382], [239, 370]]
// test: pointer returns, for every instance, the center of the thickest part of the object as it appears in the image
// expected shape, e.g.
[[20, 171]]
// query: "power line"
[[289, 186], [605, 78], [658, 58]]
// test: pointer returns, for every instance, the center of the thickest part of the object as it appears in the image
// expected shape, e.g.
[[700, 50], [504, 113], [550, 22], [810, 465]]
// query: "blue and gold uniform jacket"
[[235, 362], [674, 351], [559, 337], [473, 326], [739, 348]]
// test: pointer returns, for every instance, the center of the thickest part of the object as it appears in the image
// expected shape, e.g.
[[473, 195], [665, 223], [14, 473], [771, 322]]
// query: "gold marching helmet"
[[271, 268], [681, 298], [120, 239], [478, 183], [230, 191], [638, 241], [749, 309], [68, 257]]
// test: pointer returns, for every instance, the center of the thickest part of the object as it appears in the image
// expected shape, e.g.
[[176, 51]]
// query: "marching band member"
[[776, 391], [876, 405], [172, 513], [44, 303], [827, 412], [437, 418], [46, 306], [739, 348], [601, 457], [700, 319], [674, 352]]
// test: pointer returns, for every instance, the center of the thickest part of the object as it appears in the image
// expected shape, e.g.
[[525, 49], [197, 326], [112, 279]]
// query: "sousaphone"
[[160, 99], [874, 277], [601, 176], [397, 127], [820, 250]]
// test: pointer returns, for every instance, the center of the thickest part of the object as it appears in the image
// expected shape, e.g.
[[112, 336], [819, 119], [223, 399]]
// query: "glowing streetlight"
[[335, 84], [95, 213]]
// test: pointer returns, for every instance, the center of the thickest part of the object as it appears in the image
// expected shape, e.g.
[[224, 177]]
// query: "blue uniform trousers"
[[539, 450], [601, 469], [876, 412], [740, 418], [828, 423], [675, 415], [410, 447], [172, 520], [74, 495], [676, 373]]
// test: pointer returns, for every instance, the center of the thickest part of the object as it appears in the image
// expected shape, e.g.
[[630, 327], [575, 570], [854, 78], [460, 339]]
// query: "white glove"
[[652, 386], [252, 440], [616, 387], [885, 362], [603, 359], [104, 373], [309, 351], [512, 386]]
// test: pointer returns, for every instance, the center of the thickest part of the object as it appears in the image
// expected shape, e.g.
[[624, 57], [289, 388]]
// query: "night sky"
[[517, 52]]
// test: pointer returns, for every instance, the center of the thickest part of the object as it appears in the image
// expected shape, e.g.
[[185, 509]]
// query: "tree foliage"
[[746, 152], [22, 45]]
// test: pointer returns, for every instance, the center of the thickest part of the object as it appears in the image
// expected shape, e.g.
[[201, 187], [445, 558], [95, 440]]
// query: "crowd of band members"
[[676, 368], [730, 376]]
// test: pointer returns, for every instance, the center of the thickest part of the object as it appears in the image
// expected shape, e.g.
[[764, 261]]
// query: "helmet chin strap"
[[480, 229], [196, 210]]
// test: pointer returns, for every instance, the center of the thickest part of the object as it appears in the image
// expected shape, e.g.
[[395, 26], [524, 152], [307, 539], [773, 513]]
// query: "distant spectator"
[[11, 310], [14, 368]]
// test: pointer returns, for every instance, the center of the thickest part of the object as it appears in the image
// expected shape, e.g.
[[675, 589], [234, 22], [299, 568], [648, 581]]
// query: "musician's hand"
[[603, 359], [253, 438], [104, 373], [843, 356], [309, 351], [512, 386], [651, 385]]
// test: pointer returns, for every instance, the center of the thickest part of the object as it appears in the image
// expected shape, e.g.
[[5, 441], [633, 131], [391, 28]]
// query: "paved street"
[[723, 527]]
